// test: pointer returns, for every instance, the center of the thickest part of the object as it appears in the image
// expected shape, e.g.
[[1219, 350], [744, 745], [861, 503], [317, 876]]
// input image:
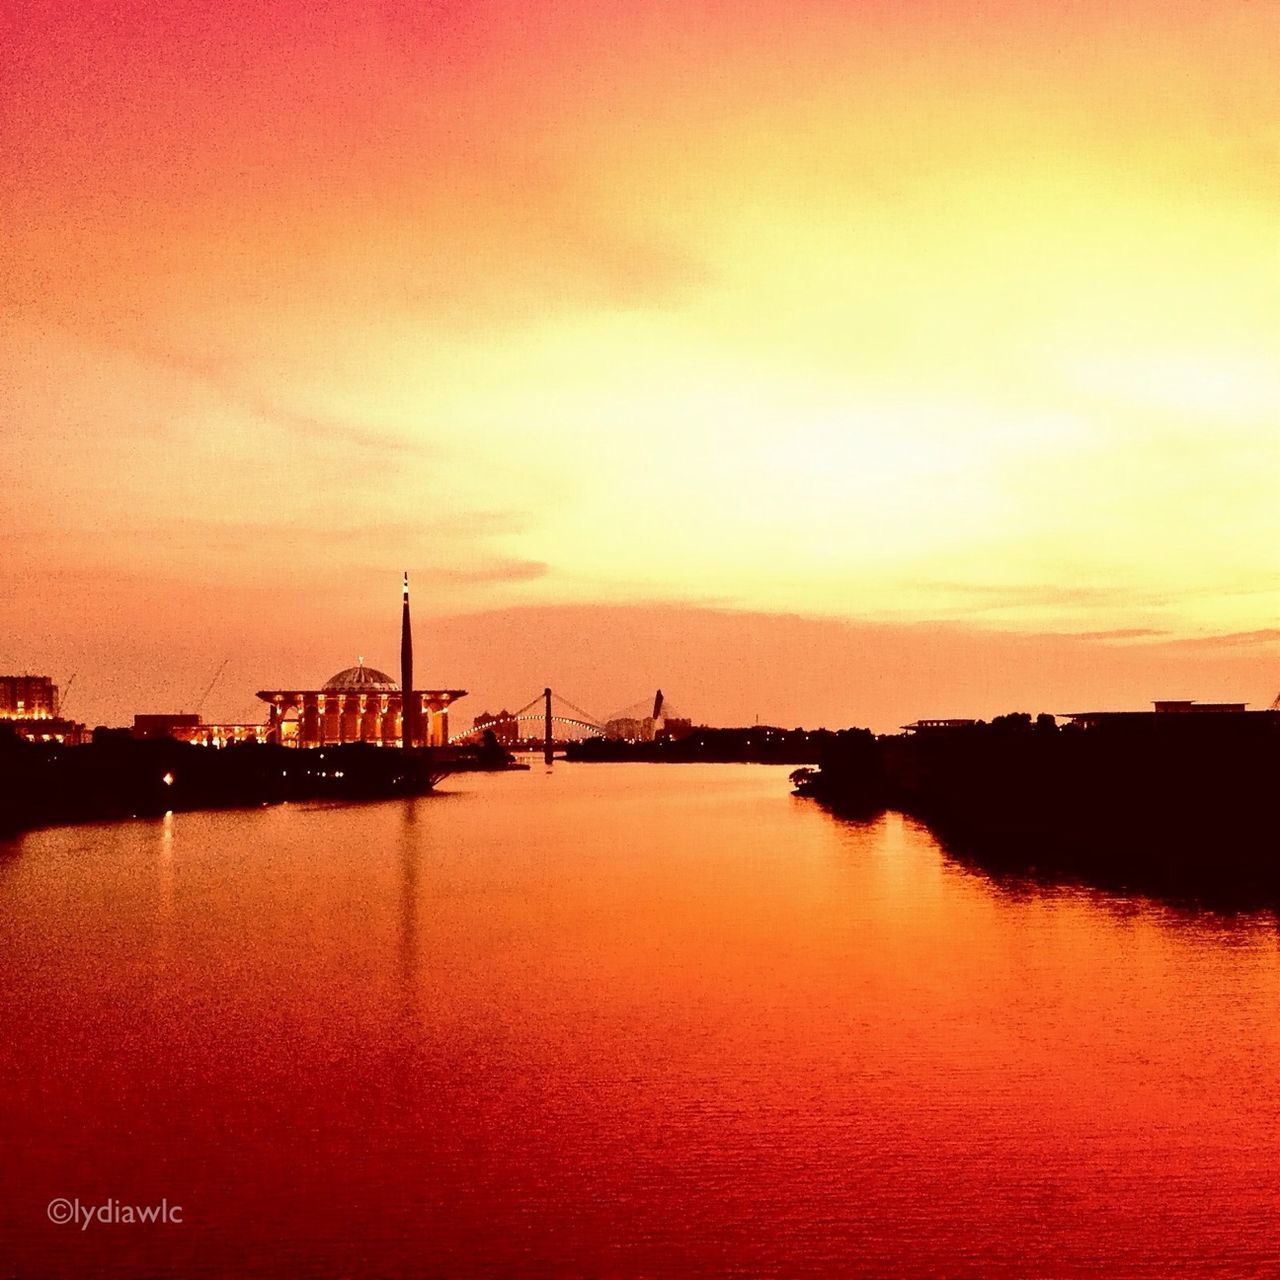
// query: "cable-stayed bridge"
[[549, 721]]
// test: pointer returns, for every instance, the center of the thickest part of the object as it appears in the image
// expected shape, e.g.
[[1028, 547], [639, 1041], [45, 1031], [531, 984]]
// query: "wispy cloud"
[[1233, 639], [1119, 633], [492, 571], [988, 597], [233, 385]]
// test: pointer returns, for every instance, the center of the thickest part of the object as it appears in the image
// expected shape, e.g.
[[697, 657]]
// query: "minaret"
[[408, 704]]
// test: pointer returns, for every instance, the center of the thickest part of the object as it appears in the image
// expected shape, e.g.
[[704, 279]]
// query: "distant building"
[[921, 726], [504, 726], [648, 729], [663, 723], [359, 704], [1180, 707], [1161, 709], [179, 726], [188, 727], [29, 706], [28, 698], [629, 728], [223, 734]]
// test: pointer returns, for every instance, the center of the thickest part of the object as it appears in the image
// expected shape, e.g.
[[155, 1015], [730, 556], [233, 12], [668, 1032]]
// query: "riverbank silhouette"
[[1173, 805], [755, 744]]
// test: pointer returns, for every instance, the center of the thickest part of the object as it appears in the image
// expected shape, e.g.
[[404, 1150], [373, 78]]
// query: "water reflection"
[[1205, 885], [1185, 880], [622, 1020], [164, 865], [409, 855]]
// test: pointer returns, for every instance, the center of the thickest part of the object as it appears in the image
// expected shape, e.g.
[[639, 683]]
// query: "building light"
[[167, 779]]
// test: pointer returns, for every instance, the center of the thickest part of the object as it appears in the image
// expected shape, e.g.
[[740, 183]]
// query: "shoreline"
[[1180, 805], [125, 778]]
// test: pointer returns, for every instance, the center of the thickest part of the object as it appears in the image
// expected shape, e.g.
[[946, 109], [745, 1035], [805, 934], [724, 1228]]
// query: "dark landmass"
[[1171, 804], [118, 776], [489, 757], [760, 744]]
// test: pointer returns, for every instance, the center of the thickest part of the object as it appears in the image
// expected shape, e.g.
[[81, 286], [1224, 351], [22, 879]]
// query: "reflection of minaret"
[[408, 704], [409, 904]]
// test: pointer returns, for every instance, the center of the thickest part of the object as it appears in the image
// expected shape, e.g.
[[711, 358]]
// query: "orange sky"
[[831, 361]]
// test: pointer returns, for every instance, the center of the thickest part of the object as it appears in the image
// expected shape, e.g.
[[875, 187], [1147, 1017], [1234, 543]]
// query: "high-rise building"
[[28, 698], [29, 706]]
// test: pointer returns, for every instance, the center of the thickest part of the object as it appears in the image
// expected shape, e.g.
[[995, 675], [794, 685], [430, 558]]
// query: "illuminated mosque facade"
[[363, 704], [360, 704]]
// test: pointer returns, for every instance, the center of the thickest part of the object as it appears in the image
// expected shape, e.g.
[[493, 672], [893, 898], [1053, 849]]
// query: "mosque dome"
[[362, 679]]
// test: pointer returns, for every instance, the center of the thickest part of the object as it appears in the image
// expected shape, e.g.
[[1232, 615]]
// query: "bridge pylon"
[[547, 718]]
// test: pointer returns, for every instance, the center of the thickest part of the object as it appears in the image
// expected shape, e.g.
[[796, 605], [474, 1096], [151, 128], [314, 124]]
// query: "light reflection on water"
[[620, 1020]]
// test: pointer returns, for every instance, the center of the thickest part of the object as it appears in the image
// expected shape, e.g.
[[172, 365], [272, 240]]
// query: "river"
[[618, 1020]]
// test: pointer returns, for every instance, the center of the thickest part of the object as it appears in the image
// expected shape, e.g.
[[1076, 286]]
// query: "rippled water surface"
[[618, 1020]]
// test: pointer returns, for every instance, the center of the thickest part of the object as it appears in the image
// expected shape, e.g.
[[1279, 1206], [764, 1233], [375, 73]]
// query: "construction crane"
[[209, 687], [66, 689]]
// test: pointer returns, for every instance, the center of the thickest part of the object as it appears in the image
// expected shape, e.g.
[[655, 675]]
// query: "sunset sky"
[[827, 362]]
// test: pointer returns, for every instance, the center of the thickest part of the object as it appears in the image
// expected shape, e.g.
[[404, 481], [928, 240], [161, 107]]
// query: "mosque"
[[363, 704]]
